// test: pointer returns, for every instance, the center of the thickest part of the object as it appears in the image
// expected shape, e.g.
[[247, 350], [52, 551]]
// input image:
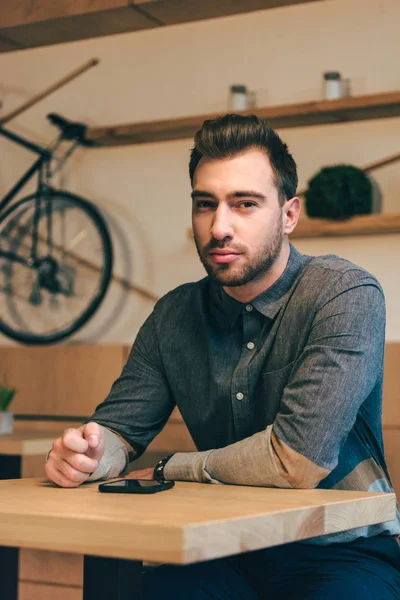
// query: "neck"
[[246, 293]]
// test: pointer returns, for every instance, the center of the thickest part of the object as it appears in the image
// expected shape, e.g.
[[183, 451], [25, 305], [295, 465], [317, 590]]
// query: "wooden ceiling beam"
[[32, 23]]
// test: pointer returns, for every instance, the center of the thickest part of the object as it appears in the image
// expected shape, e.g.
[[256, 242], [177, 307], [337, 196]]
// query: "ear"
[[291, 214]]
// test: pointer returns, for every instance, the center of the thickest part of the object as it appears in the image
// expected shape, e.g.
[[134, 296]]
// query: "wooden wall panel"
[[65, 380], [175, 437], [126, 351], [391, 388], [392, 453], [33, 466], [42, 566], [38, 591]]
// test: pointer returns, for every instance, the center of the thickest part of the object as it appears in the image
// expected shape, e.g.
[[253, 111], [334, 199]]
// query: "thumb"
[[94, 435]]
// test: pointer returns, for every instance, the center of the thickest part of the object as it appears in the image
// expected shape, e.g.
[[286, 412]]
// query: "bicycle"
[[56, 254]]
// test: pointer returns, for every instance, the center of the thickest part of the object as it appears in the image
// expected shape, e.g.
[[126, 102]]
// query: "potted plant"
[[6, 418]]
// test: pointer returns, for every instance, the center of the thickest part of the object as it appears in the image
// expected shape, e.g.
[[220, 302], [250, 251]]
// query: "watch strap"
[[159, 468]]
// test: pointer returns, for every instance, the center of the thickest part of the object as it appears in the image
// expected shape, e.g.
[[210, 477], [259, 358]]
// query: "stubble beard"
[[262, 262]]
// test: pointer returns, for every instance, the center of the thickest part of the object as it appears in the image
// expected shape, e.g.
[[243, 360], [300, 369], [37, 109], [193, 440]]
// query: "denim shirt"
[[285, 391]]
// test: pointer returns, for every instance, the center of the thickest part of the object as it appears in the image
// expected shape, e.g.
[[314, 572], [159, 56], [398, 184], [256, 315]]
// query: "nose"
[[222, 226]]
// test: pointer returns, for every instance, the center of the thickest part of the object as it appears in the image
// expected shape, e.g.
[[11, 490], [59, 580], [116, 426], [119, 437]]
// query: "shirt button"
[[239, 396], [249, 307], [250, 346]]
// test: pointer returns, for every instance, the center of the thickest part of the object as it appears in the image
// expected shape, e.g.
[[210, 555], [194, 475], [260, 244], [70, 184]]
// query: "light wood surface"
[[352, 108], [55, 22], [190, 523]]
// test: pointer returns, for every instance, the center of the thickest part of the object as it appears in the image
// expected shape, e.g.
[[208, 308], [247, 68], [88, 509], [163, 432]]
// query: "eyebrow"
[[238, 194]]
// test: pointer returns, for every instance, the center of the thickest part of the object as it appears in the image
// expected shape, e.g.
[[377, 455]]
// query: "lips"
[[224, 256]]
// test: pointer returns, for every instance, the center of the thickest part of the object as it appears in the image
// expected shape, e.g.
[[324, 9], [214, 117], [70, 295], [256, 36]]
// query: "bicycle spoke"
[[61, 286]]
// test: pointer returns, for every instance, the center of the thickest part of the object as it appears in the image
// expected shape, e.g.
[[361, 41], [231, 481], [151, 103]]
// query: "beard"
[[258, 265]]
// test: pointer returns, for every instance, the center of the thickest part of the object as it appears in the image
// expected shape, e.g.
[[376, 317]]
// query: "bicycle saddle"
[[70, 130]]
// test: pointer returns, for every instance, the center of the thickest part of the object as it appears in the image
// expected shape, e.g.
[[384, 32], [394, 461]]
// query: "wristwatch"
[[159, 468]]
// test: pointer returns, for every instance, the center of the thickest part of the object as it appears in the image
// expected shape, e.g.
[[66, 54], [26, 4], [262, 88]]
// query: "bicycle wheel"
[[48, 298]]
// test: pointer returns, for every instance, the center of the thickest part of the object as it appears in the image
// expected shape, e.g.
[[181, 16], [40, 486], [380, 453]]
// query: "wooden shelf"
[[364, 225], [56, 22], [353, 108]]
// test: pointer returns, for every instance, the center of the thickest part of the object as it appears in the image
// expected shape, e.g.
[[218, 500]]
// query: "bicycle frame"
[[37, 167], [42, 167]]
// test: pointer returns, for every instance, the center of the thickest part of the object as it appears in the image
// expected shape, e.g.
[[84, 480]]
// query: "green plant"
[[339, 192], [6, 395]]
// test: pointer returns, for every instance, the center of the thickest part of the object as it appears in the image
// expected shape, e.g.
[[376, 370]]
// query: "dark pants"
[[367, 569]]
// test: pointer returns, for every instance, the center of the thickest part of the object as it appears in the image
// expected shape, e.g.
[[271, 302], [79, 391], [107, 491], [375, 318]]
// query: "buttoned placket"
[[240, 386]]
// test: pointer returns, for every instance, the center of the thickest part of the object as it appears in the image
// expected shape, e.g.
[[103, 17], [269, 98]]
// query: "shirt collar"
[[269, 302]]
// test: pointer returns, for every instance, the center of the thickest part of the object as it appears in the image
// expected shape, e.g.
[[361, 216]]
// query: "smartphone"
[[135, 486]]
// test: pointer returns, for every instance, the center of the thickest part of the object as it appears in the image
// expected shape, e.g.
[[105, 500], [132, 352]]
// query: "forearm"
[[251, 461], [114, 459]]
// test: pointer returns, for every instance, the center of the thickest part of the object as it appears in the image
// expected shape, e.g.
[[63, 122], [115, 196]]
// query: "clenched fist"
[[75, 455]]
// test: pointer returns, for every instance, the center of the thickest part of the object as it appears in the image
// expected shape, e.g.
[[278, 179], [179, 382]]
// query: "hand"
[[141, 474], [75, 455]]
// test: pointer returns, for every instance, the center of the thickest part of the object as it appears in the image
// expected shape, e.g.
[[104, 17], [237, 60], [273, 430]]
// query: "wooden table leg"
[[111, 578], [10, 468]]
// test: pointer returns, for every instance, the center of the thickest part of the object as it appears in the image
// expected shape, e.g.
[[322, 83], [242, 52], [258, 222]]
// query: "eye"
[[203, 204], [247, 204]]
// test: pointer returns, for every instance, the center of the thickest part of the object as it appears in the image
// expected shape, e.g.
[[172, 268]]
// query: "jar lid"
[[332, 75], [238, 89]]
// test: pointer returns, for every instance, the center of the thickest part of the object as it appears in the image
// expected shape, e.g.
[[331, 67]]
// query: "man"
[[275, 361]]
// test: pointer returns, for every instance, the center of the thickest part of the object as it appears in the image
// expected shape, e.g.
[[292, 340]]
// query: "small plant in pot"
[[6, 418]]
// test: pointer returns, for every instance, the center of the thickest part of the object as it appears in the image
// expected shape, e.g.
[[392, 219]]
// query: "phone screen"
[[136, 486]]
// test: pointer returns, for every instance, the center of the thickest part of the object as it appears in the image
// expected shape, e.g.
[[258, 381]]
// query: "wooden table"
[[189, 523], [23, 444]]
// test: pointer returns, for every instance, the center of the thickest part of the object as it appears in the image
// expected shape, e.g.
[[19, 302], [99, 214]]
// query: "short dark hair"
[[227, 136]]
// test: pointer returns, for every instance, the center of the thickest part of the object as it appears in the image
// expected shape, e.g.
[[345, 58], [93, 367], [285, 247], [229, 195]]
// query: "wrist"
[[159, 468]]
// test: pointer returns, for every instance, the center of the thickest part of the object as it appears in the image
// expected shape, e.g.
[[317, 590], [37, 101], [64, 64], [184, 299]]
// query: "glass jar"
[[238, 98], [333, 87]]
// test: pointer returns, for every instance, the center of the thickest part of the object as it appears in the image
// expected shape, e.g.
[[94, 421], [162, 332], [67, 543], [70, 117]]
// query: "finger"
[[63, 481], [93, 434], [55, 476], [73, 440], [81, 462], [70, 473]]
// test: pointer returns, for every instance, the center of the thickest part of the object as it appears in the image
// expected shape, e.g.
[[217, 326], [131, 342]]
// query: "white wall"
[[187, 69]]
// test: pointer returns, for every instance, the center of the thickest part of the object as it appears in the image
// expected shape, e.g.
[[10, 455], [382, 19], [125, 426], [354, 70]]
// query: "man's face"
[[237, 219]]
